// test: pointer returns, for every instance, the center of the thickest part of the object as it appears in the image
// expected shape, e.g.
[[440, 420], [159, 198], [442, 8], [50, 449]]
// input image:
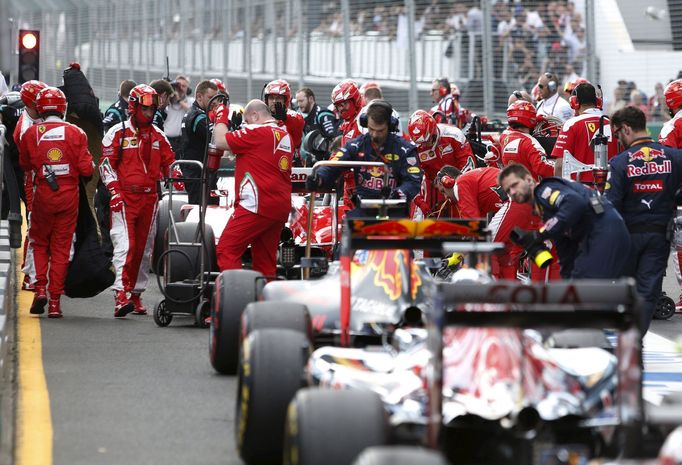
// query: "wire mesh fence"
[[487, 48]]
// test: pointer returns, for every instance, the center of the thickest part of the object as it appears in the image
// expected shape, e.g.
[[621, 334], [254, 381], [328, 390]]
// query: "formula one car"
[[359, 303], [486, 391]]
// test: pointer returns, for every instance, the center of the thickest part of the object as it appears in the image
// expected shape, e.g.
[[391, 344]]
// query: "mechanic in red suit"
[[577, 133], [264, 152], [135, 155], [29, 116], [671, 135], [477, 194], [277, 97], [518, 146], [437, 145], [446, 108], [348, 102], [671, 132], [56, 152]]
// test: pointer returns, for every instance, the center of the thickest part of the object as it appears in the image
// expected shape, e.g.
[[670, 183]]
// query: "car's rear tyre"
[[185, 263], [162, 221], [399, 455], [234, 289], [273, 314], [270, 372], [332, 427]]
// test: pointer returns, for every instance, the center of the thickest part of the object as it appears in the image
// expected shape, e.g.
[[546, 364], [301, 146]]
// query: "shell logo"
[[54, 154], [283, 163]]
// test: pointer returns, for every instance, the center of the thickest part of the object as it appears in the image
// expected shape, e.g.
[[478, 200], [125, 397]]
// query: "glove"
[[220, 115], [177, 173], [397, 194], [280, 112], [116, 203], [235, 121], [524, 238], [421, 204], [453, 260], [313, 182]]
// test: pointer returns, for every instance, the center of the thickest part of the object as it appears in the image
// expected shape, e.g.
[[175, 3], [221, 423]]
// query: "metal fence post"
[[345, 10], [592, 73], [247, 51], [487, 51], [411, 56], [300, 44]]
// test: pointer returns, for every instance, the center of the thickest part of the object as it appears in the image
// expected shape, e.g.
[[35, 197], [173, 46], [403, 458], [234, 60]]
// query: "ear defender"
[[393, 122], [447, 181]]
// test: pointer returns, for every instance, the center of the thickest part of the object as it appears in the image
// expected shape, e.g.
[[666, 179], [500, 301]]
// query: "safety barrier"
[[8, 291]]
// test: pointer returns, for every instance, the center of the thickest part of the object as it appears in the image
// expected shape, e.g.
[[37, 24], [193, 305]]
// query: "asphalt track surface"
[[127, 392], [124, 391]]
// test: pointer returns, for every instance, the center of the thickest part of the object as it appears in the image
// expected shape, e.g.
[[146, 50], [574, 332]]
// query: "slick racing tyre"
[[233, 291], [270, 372], [187, 267], [332, 426], [162, 221], [399, 455], [273, 314], [665, 308]]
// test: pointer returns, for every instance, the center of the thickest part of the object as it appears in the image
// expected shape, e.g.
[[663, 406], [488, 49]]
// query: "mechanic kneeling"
[[379, 144], [589, 233], [643, 181]]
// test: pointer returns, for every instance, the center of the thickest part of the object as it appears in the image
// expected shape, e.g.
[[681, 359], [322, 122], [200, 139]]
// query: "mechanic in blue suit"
[[589, 233], [379, 144], [643, 181]]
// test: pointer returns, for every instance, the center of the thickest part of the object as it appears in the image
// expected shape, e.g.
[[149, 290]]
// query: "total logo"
[[650, 168]]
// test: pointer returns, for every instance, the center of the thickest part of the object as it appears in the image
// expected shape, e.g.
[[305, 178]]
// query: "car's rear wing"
[[568, 304], [371, 233], [571, 304]]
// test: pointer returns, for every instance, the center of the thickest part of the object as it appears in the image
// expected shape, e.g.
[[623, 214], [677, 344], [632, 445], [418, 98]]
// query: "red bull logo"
[[375, 171], [646, 154], [650, 168]]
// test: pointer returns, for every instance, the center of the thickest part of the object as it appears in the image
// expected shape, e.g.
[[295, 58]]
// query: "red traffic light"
[[29, 40]]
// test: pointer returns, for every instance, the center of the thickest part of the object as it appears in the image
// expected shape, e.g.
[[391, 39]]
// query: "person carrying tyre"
[[642, 185], [56, 152], [135, 155], [263, 149]]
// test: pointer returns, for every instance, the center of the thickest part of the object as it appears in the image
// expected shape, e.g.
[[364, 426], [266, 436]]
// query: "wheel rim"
[[665, 309], [164, 317]]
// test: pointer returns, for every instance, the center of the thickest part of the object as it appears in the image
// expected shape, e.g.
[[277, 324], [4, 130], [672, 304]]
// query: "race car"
[[360, 302], [507, 384]]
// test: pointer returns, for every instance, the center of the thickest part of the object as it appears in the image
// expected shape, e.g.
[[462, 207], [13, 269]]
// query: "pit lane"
[[126, 391]]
